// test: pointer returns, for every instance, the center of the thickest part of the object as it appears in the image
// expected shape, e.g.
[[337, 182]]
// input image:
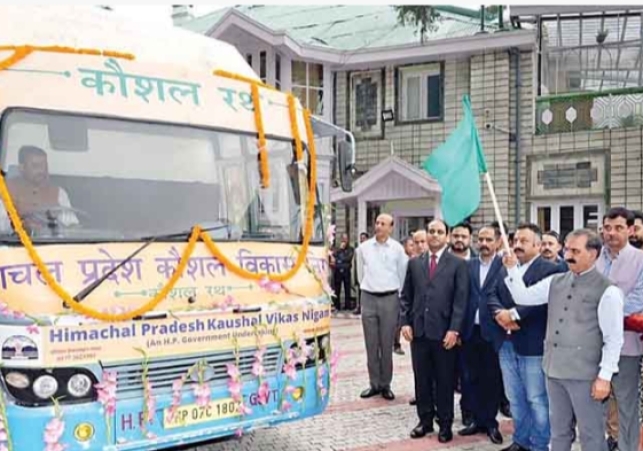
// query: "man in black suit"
[[518, 337], [433, 301], [480, 359]]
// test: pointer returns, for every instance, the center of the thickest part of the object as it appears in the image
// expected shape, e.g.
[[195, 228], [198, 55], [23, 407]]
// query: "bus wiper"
[[82, 294]]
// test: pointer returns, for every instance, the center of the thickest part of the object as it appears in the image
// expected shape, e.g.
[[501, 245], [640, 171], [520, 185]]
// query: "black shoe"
[[398, 350], [505, 410], [471, 429], [612, 445], [494, 435], [369, 393], [421, 430], [514, 447], [413, 402], [388, 394], [467, 419], [445, 435]]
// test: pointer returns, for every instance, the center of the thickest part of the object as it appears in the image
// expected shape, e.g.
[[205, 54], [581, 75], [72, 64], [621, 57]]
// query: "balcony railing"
[[589, 111]]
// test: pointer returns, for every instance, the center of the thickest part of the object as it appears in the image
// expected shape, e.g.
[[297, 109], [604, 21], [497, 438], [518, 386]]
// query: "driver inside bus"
[[38, 201]]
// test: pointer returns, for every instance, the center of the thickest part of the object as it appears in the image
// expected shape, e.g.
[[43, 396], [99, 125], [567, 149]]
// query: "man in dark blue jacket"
[[480, 358], [518, 337]]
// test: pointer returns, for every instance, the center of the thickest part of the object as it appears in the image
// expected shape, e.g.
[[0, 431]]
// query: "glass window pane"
[[544, 218], [316, 75], [590, 217], [566, 220], [278, 71], [299, 73], [315, 101], [300, 93], [412, 99], [434, 99], [262, 66]]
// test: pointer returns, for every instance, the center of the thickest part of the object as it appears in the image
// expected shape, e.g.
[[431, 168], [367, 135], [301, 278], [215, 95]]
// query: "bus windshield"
[[83, 179]]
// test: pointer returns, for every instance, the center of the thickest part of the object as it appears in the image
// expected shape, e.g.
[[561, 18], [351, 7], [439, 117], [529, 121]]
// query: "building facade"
[[401, 97]]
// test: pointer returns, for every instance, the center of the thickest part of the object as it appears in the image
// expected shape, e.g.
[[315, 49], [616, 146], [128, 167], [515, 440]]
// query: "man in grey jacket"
[[583, 340], [622, 264]]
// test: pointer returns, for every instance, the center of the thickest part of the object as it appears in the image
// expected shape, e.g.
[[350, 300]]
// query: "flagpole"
[[496, 208]]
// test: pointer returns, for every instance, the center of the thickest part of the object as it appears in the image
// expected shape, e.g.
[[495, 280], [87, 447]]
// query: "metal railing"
[[580, 111]]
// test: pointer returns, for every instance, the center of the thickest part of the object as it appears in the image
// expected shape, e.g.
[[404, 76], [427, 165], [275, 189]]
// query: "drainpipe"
[[517, 138]]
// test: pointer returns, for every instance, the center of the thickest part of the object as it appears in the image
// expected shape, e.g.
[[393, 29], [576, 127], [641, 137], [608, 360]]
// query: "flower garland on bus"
[[20, 52], [264, 168], [23, 51]]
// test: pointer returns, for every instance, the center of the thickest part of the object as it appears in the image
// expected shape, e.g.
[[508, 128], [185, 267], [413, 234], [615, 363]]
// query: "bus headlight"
[[45, 386], [17, 379], [79, 385]]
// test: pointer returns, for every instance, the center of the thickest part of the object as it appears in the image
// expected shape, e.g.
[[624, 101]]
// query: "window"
[[278, 71], [420, 93], [366, 101], [563, 217], [176, 176], [249, 59], [262, 66], [308, 85]]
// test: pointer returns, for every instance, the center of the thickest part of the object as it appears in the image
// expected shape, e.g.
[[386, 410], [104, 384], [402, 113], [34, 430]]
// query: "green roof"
[[348, 27]]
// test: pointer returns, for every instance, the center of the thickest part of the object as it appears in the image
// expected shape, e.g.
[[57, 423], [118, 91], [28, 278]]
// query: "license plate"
[[192, 414]]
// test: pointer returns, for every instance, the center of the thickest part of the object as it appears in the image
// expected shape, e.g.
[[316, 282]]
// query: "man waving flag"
[[457, 165]]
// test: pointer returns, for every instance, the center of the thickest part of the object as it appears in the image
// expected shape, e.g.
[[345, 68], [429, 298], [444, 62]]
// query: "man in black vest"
[[583, 341]]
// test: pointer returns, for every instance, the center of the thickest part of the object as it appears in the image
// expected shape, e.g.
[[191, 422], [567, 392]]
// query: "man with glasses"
[[434, 300]]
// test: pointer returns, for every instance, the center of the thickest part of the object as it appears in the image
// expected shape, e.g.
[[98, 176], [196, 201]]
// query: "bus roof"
[[97, 28]]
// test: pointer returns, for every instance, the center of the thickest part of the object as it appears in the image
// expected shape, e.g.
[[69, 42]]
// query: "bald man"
[[381, 268]]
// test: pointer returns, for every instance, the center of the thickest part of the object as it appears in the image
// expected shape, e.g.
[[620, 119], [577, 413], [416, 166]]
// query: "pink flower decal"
[[285, 406], [228, 301], [106, 390], [233, 371], [290, 371], [270, 286], [234, 386], [53, 432], [263, 393], [150, 400], [33, 329], [202, 394], [244, 409]]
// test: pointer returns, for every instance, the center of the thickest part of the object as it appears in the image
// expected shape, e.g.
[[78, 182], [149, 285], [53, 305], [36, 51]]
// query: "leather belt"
[[381, 294]]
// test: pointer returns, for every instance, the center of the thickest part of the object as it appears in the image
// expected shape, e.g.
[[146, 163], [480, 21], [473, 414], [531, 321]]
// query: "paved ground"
[[353, 424]]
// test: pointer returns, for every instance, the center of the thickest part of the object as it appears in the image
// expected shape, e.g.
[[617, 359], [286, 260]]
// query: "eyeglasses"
[[437, 232]]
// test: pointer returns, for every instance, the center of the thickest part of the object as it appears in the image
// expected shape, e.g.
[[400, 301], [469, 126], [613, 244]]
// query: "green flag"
[[457, 165]]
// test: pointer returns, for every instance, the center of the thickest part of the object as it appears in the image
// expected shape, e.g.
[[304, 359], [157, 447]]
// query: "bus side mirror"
[[345, 163]]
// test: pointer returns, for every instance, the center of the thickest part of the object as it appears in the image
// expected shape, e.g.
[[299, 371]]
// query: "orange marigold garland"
[[264, 168], [226, 74], [71, 302], [21, 52]]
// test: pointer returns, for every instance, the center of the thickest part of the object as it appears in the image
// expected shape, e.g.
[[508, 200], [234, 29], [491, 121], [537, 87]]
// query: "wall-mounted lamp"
[[388, 115]]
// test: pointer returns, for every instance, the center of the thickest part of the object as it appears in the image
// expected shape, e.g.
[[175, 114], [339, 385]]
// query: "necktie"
[[432, 265]]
